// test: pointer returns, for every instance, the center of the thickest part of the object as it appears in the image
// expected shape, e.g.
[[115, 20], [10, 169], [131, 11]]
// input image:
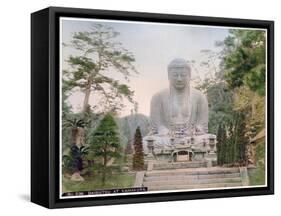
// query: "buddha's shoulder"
[[161, 94], [166, 92], [197, 93]]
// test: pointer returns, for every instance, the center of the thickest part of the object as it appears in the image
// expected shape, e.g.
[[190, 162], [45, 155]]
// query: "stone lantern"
[[150, 146], [212, 142]]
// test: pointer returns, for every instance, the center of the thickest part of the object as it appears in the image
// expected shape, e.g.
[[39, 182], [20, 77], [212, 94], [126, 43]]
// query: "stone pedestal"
[[181, 148]]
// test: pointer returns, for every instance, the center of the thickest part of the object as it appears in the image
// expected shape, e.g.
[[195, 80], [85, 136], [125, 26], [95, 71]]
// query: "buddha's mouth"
[[180, 84]]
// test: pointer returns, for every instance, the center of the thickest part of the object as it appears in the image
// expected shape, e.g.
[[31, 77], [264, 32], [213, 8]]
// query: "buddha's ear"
[[188, 69], [169, 74]]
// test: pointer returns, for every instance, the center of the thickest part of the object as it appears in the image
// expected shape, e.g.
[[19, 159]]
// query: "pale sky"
[[154, 45]]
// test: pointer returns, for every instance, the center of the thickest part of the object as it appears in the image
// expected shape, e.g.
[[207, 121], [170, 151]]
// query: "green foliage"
[[241, 139], [257, 175], [72, 127], [221, 139], [232, 140], [74, 122], [235, 90], [120, 180], [138, 157], [74, 161], [99, 52], [66, 112], [105, 144], [105, 140], [220, 100], [251, 103], [66, 108], [245, 61]]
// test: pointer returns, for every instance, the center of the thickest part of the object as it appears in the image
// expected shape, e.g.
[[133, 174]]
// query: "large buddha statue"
[[179, 120], [179, 107]]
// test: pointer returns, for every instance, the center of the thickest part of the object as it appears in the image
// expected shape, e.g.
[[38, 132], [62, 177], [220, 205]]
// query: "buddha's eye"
[[180, 74]]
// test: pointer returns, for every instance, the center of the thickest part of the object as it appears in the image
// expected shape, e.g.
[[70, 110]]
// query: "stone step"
[[178, 165], [192, 171], [191, 182], [188, 177], [194, 186]]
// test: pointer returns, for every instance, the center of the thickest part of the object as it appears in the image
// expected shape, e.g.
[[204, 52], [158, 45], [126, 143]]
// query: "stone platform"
[[190, 175], [195, 178], [181, 148], [178, 165]]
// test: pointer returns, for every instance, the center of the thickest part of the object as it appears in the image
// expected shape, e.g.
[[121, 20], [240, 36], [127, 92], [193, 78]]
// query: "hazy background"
[[16, 184], [154, 45]]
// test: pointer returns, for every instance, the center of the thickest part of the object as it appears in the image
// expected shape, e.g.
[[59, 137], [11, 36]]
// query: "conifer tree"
[[98, 51], [105, 143], [242, 140], [221, 139], [138, 157]]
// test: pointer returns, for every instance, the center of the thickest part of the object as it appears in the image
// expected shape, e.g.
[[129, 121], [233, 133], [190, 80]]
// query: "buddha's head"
[[179, 73]]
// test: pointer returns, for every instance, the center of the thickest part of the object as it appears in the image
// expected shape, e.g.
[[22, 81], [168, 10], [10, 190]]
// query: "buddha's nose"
[[179, 78]]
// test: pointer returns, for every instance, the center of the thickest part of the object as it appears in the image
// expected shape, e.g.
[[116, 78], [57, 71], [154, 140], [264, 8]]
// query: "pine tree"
[[97, 51], [105, 143], [138, 157]]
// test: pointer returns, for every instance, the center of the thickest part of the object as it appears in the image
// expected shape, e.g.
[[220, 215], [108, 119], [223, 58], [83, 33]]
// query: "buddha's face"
[[179, 77]]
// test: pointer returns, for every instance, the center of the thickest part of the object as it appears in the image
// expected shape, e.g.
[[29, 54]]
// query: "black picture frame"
[[45, 107]]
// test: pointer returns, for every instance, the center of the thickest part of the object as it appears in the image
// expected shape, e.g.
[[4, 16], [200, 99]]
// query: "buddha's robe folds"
[[189, 109]]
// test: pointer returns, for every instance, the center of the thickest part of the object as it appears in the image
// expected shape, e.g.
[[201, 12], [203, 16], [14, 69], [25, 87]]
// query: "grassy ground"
[[95, 183], [257, 175]]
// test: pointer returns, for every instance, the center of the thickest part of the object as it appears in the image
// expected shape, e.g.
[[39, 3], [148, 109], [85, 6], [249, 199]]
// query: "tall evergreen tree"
[[236, 92], [245, 59], [241, 140], [105, 144], [221, 141], [138, 157], [97, 52]]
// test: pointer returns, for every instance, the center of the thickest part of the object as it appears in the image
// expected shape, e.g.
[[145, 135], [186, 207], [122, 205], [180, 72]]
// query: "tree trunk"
[[74, 134], [254, 104], [104, 168], [86, 99], [87, 93]]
